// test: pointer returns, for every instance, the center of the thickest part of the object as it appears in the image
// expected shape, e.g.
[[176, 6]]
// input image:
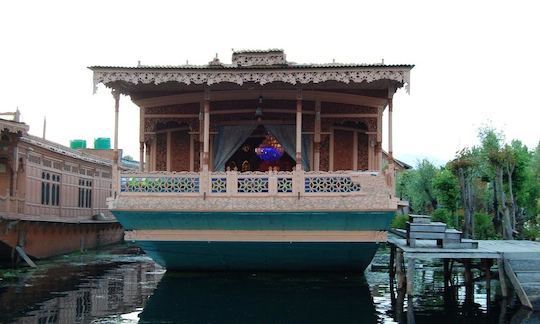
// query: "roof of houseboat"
[[254, 66]]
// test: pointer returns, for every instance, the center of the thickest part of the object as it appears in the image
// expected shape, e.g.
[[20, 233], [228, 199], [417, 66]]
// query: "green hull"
[[261, 256], [236, 254], [327, 221]]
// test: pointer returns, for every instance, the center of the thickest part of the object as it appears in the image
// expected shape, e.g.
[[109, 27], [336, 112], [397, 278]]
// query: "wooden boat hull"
[[266, 241], [44, 239]]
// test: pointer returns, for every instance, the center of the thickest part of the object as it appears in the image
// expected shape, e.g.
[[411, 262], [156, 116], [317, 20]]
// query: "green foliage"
[[400, 221], [531, 231], [483, 227], [443, 215], [446, 188]]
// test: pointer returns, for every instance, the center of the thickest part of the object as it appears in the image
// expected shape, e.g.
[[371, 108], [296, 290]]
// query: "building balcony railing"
[[234, 183]]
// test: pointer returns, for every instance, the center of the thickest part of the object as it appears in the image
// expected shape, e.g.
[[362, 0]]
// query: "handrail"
[[246, 183]]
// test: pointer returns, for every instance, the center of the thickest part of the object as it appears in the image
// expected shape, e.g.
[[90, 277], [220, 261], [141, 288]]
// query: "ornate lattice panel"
[[330, 184], [160, 184], [284, 185], [253, 185], [219, 185]]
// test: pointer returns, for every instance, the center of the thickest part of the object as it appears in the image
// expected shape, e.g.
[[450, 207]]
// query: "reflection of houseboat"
[[52, 198], [259, 164]]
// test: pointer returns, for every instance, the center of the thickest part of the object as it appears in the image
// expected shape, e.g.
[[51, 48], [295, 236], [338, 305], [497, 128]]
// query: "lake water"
[[121, 285]]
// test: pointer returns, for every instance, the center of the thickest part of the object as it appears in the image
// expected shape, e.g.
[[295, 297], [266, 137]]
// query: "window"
[[85, 193], [50, 189]]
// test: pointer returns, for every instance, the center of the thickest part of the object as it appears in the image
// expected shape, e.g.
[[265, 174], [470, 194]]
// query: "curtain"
[[228, 140], [286, 136]]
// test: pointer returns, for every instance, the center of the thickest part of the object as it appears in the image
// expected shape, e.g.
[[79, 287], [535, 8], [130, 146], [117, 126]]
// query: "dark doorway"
[[245, 159]]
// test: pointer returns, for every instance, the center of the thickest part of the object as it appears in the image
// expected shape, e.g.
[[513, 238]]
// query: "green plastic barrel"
[[102, 143], [77, 144]]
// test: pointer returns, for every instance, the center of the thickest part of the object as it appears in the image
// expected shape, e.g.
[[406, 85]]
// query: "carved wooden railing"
[[248, 183]]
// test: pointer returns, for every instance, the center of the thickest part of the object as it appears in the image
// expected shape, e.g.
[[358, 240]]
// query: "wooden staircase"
[[523, 270], [420, 227]]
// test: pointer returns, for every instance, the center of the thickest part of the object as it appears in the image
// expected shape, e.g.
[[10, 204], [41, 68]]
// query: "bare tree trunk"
[[496, 217], [510, 171], [466, 200], [506, 221]]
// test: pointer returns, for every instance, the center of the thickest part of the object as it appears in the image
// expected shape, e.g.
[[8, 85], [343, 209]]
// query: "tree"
[[463, 166], [446, 188]]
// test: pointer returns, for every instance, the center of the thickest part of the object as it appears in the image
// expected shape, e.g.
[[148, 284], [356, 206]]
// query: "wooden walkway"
[[519, 261]]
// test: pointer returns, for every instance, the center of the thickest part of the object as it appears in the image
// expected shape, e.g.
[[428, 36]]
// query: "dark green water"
[[120, 285]]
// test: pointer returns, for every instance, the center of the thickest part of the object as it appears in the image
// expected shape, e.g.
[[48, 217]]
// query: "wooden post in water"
[[502, 278], [487, 269], [391, 269], [399, 269], [410, 278], [469, 291]]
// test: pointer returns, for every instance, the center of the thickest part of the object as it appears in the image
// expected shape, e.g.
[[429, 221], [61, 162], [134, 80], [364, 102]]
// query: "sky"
[[476, 62]]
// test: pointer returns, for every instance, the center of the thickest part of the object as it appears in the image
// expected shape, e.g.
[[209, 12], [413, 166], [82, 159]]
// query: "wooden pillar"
[[317, 137], [399, 269], [141, 156], [378, 145], [169, 151], [206, 133], [116, 96], [410, 278], [298, 156], [502, 278], [201, 135], [487, 268], [355, 150], [147, 158], [392, 272], [141, 139], [191, 152], [390, 140]]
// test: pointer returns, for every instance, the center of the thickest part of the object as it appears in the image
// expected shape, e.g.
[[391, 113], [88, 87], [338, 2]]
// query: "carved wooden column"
[[141, 156], [390, 144], [391, 165], [298, 156], [115, 179], [206, 137], [378, 145], [141, 139], [147, 165], [201, 135], [317, 137]]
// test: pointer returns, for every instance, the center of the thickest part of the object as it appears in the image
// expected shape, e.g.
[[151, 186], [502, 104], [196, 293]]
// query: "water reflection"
[[256, 298], [120, 285], [78, 289]]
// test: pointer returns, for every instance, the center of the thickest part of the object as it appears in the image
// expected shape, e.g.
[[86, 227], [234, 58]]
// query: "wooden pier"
[[518, 261]]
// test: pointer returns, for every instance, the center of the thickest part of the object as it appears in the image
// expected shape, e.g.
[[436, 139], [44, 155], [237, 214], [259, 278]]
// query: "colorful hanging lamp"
[[269, 150]]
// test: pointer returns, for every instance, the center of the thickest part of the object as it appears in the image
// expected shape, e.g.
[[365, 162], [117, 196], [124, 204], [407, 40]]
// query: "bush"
[[400, 221], [442, 215], [483, 227], [531, 231]]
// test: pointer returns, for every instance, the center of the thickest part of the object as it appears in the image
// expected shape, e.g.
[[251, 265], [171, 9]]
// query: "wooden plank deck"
[[519, 260], [487, 249]]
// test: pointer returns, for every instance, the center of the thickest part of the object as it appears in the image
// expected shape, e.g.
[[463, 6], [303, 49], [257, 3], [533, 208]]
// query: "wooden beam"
[[227, 95]]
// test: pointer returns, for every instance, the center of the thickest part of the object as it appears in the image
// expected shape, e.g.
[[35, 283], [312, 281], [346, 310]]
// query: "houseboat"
[[259, 164], [52, 198]]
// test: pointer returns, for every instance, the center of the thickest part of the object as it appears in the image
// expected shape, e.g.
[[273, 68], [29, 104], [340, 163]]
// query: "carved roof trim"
[[262, 76]]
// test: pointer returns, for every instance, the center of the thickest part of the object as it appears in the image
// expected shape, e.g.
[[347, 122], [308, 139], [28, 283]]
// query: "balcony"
[[297, 190]]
